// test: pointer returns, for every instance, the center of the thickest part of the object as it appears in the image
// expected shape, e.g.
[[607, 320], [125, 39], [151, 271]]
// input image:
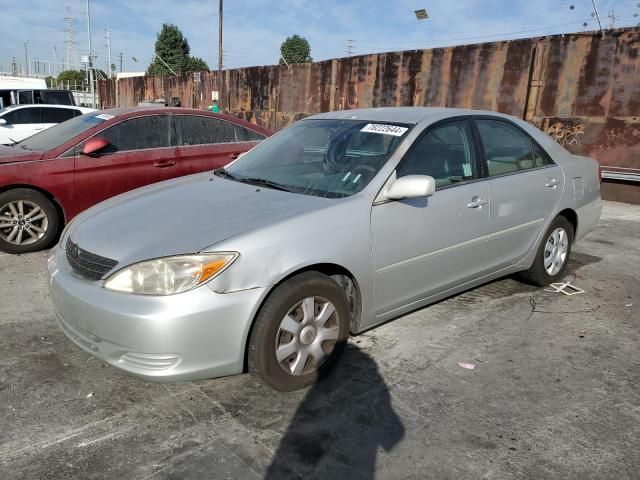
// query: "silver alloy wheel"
[[555, 251], [22, 222], [307, 335]]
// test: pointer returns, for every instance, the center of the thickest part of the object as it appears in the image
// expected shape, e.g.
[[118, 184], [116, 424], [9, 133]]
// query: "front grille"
[[87, 264]]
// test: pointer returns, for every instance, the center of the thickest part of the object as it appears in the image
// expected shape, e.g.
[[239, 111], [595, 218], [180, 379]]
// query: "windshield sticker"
[[385, 129], [104, 116]]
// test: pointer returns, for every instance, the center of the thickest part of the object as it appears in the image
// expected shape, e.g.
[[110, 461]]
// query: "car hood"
[[9, 154], [182, 216]]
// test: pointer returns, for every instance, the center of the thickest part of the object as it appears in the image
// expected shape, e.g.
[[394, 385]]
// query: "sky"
[[254, 29]]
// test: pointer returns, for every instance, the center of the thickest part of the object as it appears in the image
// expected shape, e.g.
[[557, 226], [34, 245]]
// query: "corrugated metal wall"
[[583, 89]]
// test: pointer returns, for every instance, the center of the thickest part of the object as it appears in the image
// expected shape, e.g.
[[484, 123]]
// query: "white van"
[[23, 90]]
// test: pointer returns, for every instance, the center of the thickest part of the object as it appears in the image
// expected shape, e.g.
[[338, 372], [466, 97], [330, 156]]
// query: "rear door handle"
[[164, 163], [234, 156], [477, 202], [552, 183]]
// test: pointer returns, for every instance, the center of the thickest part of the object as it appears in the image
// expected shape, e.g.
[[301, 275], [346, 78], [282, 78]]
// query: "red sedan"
[[47, 179]]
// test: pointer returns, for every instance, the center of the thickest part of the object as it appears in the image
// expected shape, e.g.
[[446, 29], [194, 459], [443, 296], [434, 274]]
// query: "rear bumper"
[[195, 335]]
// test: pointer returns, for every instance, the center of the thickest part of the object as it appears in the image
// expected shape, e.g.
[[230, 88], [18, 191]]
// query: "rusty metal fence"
[[583, 89]]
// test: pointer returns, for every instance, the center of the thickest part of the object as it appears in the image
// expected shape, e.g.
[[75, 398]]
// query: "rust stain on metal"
[[582, 88]]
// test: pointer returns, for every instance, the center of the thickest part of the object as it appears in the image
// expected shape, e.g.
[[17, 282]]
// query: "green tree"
[[196, 64], [50, 81], [295, 49], [72, 78], [173, 48]]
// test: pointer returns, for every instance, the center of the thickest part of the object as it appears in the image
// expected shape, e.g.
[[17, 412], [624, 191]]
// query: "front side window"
[[445, 152], [244, 134], [506, 148], [140, 133], [326, 158], [201, 130], [22, 116]]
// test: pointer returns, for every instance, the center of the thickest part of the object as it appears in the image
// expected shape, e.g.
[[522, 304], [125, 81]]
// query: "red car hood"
[[16, 154]]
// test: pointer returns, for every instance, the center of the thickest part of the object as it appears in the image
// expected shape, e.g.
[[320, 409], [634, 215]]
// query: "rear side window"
[[506, 148], [57, 115], [201, 130], [24, 116], [541, 157], [247, 135], [138, 134], [445, 152]]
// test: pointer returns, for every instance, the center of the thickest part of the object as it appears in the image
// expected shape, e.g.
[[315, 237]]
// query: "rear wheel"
[[552, 258], [28, 221], [299, 332]]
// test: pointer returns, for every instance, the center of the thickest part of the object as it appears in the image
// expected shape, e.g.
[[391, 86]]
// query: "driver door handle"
[[552, 183], [477, 202]]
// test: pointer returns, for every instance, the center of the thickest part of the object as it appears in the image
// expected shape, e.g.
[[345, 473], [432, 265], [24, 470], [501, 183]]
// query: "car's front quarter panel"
[[53, 176], [339, 234]]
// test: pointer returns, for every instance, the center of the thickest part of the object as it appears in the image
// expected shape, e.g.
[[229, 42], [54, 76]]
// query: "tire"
[[276, 323], [28, 221], [540, 275]]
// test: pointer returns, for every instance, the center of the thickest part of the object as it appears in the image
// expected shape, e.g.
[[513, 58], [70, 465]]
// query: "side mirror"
[[411, 186], [3, 122], [94, 145]]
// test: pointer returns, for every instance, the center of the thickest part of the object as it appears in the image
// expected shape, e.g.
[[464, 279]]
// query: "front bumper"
[[193, 335]]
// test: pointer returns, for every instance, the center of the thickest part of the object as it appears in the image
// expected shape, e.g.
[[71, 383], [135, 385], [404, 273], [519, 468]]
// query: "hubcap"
[[22, 222], [307, 335], [555, 251]]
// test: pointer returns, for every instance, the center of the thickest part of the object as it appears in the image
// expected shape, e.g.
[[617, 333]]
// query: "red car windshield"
[[63, 132]]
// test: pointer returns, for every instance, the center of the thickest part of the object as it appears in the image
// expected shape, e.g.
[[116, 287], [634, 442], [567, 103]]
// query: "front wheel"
[[28, 221], [299, 332], [553, 254]]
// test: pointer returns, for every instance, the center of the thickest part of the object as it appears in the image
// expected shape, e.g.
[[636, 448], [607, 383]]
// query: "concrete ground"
[[555, 392]]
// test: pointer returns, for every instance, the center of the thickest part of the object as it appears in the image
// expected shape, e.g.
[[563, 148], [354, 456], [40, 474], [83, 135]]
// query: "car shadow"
[[342, 423]]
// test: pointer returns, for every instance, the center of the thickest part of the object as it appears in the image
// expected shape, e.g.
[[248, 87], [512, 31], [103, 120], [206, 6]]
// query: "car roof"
[[126, 112], [37, 105], [412, 115]]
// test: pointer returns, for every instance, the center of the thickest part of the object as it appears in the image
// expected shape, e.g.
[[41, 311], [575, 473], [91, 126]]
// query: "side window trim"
[[485, 168]]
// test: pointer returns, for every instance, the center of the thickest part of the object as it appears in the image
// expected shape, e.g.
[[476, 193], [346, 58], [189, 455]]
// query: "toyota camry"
[[336, 224]]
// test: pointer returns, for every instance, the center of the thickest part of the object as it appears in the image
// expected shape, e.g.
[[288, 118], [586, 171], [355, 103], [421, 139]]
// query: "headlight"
[[170, 275]]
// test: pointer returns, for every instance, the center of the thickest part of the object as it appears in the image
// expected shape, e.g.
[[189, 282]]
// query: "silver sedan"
[[334, 225]]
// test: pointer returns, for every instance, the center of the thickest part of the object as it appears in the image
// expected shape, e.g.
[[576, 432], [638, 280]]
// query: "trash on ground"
[[565, 288], [90, 394], [469, 366]]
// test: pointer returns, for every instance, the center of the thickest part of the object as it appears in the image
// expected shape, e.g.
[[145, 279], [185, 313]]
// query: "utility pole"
[[26, 56], [220, 35], [595, 10], [92, 86], [350, 47], [108, 45], [14, 67], [121, 61]]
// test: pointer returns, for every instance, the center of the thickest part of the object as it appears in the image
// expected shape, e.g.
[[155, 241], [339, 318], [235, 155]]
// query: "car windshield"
[[63, 132], [325, 158]]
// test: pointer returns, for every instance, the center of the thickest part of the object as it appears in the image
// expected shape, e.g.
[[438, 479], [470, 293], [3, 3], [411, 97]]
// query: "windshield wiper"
[[221, 172], [264, 183]]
